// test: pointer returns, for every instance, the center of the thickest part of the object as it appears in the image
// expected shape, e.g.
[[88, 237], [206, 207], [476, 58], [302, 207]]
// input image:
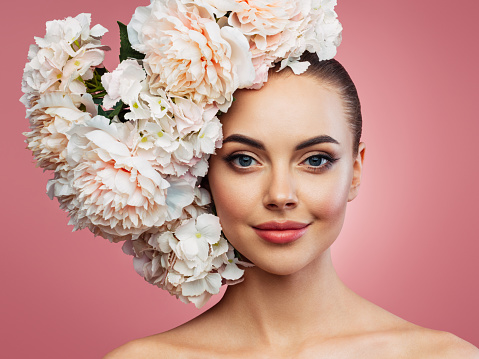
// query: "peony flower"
[[217, 8], [140, 180], [189, 55], [50, 120], [120, 194], [190, 117], [268, 24], [263, 18]]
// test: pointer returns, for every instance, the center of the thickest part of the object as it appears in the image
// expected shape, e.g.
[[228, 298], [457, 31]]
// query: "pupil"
[[245, 160], [315, 160]]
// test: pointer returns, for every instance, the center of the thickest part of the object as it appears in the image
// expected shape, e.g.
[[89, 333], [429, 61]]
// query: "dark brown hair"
[[332, 74]]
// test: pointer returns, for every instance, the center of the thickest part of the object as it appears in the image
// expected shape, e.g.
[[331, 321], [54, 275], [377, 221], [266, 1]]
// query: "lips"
[[281, 232]]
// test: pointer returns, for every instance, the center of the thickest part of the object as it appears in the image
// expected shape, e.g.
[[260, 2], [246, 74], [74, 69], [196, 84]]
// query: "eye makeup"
[[241, 161]]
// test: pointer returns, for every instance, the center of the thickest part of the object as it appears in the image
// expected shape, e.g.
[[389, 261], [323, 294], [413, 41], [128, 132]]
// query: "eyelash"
[[230, 158]]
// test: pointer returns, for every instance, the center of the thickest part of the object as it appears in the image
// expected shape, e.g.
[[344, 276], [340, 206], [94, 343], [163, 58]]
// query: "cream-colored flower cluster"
[[129, 147]]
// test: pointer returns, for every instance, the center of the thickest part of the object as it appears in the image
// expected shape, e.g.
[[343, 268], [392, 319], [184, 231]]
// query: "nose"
[[280, 191]]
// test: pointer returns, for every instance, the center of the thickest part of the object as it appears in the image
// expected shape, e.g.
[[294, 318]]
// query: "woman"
[[291, 160]]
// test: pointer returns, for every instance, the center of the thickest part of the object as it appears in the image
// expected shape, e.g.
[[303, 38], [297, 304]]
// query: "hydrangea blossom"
[[191, 262], [68, 52], [128, 148]]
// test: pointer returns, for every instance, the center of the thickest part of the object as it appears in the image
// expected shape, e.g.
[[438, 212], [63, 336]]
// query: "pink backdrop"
[[410, 239]]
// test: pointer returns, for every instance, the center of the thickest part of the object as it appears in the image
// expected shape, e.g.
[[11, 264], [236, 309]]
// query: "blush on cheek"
[[329, 200], [231, 201]]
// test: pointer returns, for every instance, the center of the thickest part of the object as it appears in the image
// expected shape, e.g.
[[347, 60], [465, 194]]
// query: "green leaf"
[[116, 110], [102, 112], [126, 51]]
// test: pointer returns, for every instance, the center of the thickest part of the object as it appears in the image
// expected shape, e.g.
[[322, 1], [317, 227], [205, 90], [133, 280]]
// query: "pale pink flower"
[[189, 116], [216, 8], [50, 120], [262, 66], [189, 55], [263, 18], [267, 25], [119, 192]]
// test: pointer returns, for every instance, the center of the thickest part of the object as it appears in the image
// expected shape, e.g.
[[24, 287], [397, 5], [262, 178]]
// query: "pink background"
[[410, 240]]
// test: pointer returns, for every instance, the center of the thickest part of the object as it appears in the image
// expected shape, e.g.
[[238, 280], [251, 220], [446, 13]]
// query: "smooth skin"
[[292, 303]]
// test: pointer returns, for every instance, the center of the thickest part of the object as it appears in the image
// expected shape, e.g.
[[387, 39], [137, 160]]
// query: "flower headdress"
[[129, 147]]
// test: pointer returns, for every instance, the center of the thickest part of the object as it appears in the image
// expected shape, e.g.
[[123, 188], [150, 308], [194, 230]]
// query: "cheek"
[[327, 199], [233, 198]]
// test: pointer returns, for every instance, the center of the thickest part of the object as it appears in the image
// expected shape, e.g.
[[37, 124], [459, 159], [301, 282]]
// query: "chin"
[[281, 270], [282, 261]]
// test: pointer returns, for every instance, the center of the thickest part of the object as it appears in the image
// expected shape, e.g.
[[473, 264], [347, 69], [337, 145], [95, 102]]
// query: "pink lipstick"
[[281, 232]]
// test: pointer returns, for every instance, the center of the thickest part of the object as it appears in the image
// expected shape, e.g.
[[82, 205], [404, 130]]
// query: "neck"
[[285, 308]]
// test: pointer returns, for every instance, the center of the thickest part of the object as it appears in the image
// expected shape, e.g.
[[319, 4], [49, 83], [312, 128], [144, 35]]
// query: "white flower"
[[189, 116], [120, 193], [50, 120], [216, 8], [323, 30], [210, 283], [158, 105], [124, 83], [195, 237], [80, 66], [164, 242], [65, 32], [319, 31], [140, 181], [268, 24], [190, 55], [154, 136], [70, 49], [263, 18], [208, 138], [179, 195], [201, 167], [185, 260]]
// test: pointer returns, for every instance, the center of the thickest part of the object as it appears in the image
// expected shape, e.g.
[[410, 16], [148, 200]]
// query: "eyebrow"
[[259, 145]]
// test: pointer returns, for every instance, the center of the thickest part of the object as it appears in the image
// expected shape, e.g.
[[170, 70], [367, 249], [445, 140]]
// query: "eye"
[[318, 163], [240, 160], [316, 160]]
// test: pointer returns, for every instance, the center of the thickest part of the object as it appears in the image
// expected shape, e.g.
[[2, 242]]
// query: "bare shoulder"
[[399, 338], [447, 345], [421, 342], [191, 339], [170, 344], [145, 348]]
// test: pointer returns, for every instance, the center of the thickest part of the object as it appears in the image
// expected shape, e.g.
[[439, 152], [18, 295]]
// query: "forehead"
[[288, 109]]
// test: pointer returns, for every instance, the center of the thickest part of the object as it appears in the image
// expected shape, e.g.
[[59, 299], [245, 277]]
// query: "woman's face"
[[286, 156]]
